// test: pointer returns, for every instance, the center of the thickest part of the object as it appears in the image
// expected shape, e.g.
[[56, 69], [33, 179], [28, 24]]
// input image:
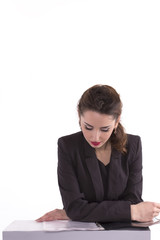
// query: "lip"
[[95, 143]]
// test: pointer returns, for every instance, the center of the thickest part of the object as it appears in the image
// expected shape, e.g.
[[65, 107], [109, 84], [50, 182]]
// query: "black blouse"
[[104, 173]]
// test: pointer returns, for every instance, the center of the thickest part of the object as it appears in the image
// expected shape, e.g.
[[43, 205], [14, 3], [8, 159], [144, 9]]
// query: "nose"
[[96, 136]]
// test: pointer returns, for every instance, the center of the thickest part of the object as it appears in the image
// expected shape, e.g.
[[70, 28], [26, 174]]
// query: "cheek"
[[107, 135], [85, 133]]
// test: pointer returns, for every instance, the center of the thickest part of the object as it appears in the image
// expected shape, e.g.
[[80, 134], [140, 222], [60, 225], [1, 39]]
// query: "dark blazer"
[[81, 185]]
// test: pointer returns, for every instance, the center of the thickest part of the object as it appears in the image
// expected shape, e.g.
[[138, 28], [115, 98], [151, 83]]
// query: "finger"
[[39, 220], [155, 214], [50, 219], [157, 205], [157, 210], [43, 218]]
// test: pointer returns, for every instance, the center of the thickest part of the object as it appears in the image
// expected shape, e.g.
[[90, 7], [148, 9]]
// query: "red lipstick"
[[95, 143]]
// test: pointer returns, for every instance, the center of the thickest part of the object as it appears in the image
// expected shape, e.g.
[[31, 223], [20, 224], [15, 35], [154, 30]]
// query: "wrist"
[[133, 212]]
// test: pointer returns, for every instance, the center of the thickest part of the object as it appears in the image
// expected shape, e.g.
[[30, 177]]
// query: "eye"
[[88, 128], [105, 130]]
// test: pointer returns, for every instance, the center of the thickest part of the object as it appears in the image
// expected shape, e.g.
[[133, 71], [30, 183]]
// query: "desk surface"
[[32, 230]]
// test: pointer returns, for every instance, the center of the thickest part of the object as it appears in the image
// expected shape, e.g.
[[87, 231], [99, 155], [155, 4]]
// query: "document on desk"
[[146, 224], [69, 225]]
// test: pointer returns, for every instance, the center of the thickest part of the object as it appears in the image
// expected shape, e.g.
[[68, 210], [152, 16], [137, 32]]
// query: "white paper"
[[68, 225], [146, 224]]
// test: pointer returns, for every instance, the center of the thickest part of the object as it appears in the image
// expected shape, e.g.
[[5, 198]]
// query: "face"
[[97, 128]]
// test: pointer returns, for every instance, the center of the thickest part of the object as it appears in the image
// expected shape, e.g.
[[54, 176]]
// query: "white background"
[[50, 52]]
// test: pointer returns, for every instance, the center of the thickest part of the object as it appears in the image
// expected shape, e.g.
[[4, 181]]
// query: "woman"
[[100, 167]]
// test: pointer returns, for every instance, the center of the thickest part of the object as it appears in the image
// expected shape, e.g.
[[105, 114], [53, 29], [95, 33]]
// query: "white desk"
[[31, 230]]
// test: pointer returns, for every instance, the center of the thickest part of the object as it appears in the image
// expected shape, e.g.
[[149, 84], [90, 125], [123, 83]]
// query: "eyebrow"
[[92, 126]]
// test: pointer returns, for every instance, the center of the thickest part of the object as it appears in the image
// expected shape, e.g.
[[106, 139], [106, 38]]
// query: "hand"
[[145, 211], [57, 214]]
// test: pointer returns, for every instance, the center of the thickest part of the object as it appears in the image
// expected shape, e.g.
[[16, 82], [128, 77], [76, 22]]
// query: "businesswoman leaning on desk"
[[100, 168]]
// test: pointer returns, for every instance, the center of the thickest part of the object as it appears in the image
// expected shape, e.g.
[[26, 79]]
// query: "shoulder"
[[71, 144], [71, 140], [132, 138], [133, 143]]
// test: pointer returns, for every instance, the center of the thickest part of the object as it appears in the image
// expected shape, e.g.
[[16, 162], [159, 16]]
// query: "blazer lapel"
[[115, 175], [94, 171]]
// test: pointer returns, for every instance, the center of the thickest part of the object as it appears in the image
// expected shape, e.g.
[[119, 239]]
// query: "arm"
[[133, 191], [140, 211]]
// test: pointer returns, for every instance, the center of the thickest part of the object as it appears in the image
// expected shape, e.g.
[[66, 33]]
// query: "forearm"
[[106, 211]]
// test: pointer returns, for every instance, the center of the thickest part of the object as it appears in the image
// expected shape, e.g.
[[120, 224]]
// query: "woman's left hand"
[[57, 214]]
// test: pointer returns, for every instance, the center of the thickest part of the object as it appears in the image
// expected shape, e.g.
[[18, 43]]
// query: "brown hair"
[[104, 99]]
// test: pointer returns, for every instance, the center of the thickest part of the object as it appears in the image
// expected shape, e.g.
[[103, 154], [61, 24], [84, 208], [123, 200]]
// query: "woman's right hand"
[[57, 214], [145, 211]]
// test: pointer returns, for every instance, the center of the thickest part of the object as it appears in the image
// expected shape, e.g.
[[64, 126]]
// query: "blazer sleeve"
[[133, 191], [75, 204]]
